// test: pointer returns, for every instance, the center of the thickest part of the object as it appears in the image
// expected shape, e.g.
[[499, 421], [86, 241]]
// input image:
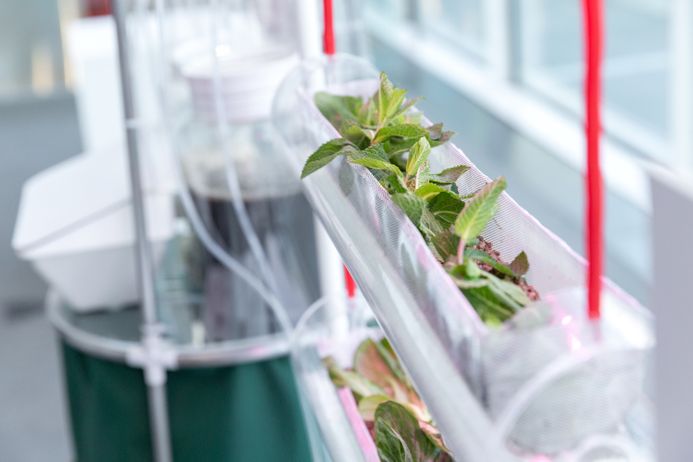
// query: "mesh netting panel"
[[553, 265], [557, 378]]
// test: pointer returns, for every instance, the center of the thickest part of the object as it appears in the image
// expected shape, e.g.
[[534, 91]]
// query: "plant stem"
[[460, 252]]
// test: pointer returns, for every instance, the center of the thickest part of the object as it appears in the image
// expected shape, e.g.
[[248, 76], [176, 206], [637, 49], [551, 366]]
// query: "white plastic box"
[[75, 226]]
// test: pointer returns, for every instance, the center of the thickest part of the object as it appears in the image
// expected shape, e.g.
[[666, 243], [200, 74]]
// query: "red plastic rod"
[[328, 33], [349, 283], [593, 19]]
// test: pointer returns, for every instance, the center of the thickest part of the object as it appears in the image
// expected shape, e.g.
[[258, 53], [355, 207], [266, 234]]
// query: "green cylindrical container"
[[232, 401]]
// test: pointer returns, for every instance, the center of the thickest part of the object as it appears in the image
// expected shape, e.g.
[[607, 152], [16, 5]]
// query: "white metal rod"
[[144, 257], [497, 22], [680, 88], [672, 227], [158, 420], [158, 410]]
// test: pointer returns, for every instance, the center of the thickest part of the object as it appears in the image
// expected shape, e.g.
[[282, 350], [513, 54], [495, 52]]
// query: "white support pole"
[[681, 83], [154, 371], [531, 18], [331, 279], [309, 28], [497, 22], [672, 227]]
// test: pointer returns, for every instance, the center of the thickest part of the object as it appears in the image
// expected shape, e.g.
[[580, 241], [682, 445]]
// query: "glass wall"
[[460, 23], [537, 47], [637, 69], [507, 75]]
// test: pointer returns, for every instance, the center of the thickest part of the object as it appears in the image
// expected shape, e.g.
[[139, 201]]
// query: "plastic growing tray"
[[494, 394]]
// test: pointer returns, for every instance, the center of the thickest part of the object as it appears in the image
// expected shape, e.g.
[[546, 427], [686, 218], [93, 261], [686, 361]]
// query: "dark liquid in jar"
[[231, 309]]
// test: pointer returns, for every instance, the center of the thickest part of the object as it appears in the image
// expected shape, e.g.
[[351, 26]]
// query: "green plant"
[[382, 134], [392, 410]]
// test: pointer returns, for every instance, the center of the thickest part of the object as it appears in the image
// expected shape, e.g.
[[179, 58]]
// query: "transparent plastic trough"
[[548, 385], [335, 427]]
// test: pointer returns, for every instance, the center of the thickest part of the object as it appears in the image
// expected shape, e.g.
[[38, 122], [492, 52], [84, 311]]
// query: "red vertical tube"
[[593, 19], [328, 33], [97, 8], [349, 283]]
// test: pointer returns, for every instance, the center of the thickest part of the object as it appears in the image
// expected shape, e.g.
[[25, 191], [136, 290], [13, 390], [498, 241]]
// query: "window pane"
[[458, 22], [388, 9], [636, 70]]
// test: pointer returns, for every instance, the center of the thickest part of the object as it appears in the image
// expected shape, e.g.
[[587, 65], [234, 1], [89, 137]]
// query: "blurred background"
[[505, 75]]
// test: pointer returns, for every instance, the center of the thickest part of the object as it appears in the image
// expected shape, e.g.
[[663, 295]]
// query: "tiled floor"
[[35, 134], [33, 425]]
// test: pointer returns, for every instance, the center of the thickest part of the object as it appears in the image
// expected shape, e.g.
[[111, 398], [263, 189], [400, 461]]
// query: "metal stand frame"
[[154, 356]]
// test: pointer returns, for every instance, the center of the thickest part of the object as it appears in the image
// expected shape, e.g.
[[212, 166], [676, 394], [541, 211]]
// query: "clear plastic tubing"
[[210, 244], [231, 176]]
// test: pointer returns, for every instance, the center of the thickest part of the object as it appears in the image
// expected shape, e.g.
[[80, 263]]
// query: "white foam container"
[[75, 226]]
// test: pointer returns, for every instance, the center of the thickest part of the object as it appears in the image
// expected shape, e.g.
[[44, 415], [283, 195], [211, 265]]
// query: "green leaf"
[[358, 384], [406, 106], [445, 207], [371, 365], [356, 134], [437, 136], [394, 184], [472, 270], [412, 205], [388, 101], [471, 284], [395, 103], [511, 293], [423, 174], [483, 257], [398, 143], [338, 109], [377, 164], [375, 151], [444, 245], [325, 154], [376, 159], [418, 156], [479, 210], [488, 304], [398, 436], [385, 343], [402, 131], [520, 265], [429, 225], [388, 355], [449, 175], [367, 114], [429, 191], [369, 404], [382, 96]]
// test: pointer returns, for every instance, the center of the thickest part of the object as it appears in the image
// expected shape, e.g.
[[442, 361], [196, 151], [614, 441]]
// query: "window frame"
[[556, 130]]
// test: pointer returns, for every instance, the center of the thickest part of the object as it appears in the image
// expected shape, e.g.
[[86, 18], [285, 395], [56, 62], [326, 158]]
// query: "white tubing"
[[303, 320], [200, 229], [228, 261], [314, 436], [231, 176]]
